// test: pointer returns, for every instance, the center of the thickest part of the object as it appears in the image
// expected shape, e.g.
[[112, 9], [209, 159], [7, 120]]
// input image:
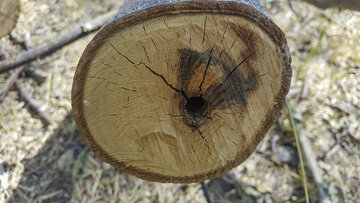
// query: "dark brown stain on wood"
[[231, 89]]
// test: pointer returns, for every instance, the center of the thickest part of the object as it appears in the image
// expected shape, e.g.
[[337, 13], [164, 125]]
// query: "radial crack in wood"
[[207, 81]]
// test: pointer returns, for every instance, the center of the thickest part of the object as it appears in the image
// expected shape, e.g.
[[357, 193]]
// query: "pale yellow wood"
[[9, 12], [134, 116]]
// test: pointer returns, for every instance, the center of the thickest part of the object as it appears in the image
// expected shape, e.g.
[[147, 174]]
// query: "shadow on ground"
[[65, 170], [48, 175]]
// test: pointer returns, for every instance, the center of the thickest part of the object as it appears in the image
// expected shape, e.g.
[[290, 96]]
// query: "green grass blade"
[[299, 149], [77, 166]]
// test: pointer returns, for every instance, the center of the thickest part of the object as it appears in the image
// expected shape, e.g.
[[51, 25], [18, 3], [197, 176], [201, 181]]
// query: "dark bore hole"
[[195, 105]]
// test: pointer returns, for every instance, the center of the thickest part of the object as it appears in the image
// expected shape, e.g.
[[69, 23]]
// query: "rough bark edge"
[[223, 8], [131, 6], [16, 19]]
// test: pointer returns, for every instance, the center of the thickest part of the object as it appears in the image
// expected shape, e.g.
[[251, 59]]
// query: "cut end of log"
[[9, 13], [181, 92]]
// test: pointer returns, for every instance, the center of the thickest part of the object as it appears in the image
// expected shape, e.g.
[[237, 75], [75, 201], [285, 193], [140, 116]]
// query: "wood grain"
[[181, 94], [9, 12]]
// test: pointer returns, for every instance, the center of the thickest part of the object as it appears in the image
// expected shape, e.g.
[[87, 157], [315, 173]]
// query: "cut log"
[[181, 91], [9, 13]]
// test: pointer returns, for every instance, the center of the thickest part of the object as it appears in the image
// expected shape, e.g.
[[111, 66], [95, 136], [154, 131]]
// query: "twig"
[[11, 81], [306, 88], [298, 146], [39, 76], [347, 108], [303, 143], [206, 193], [26, 44], [34, 104], [315, 170], [77, 32], [291, 6]]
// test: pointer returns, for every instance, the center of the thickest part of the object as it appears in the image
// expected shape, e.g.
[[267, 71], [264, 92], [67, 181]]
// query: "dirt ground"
[[52, 164]]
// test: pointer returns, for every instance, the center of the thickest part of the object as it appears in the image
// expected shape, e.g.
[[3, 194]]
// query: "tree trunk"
[[346, 4], [181, 91], [9, 12]]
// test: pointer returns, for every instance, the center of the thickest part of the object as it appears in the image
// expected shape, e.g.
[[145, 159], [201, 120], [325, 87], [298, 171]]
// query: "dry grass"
[[52, 164]]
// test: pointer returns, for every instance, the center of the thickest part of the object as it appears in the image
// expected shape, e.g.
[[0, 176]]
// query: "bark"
[[345, 4], [131, 6]]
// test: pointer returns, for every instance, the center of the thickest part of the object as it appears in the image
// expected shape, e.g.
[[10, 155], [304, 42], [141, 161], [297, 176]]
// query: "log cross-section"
[[184, 91]]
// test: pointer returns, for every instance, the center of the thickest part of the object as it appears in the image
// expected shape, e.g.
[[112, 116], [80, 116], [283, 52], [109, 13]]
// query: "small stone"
[[66, 161], [287, 155]]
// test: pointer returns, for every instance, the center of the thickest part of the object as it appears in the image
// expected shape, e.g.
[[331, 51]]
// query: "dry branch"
[[304, 149], [26, 44], [11, 81], [206, 193], [34, 104], [314, 169], [77, 32]]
